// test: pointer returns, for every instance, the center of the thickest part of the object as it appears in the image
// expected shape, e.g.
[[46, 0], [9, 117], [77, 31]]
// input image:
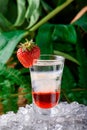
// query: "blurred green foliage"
[[49, 24]]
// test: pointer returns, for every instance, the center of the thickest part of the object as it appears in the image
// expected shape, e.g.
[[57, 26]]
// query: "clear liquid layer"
[[46, 81]]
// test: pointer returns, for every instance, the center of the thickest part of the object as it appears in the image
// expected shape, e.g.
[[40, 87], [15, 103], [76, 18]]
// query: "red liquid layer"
[[46, 99]]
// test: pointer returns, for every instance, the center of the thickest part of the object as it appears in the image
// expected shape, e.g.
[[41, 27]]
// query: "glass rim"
[[57, 59]]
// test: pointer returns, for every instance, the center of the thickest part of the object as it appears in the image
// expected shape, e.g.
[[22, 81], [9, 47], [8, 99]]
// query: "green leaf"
[[46, 6], [21, 12], [82, 22], [65, 47], [68, 81], [4, 23], [64, 33], [44, 40], [31, 7], [9, 40], [11, 13], [3, 6], [10, 74], [67, 56], [82, 58], [33, 12]]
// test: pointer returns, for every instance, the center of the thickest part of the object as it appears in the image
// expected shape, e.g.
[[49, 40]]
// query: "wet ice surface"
[[71, 117]]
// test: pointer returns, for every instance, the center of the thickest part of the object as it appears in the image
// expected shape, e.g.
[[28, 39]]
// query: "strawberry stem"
[[28, 45]]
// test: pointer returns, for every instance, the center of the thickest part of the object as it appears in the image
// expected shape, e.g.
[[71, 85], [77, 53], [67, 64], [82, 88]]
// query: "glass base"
[[41, 113]]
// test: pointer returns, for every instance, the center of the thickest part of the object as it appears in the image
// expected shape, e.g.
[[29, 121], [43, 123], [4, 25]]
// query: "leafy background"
[[49, 24]]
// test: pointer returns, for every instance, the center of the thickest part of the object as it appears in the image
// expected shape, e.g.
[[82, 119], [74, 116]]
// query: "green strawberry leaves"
[[50, 37], [33, 12], [8, 42], [4, 23], [44, 39], [30, 14], [21, 12]]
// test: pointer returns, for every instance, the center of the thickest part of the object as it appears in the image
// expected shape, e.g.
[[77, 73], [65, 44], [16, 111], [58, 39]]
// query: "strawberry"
[[27, 52]]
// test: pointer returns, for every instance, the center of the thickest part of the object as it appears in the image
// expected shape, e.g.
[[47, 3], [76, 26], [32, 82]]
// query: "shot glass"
[[46, 74]]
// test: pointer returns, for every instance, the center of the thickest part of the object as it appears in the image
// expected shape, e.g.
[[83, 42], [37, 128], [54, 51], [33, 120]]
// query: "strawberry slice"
[[27, 52]]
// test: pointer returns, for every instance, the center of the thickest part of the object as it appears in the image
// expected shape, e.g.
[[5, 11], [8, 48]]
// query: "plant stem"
[[50, 15], [79, 15]]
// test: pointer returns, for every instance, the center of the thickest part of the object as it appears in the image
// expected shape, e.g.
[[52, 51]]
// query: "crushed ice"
[[71, 116]]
